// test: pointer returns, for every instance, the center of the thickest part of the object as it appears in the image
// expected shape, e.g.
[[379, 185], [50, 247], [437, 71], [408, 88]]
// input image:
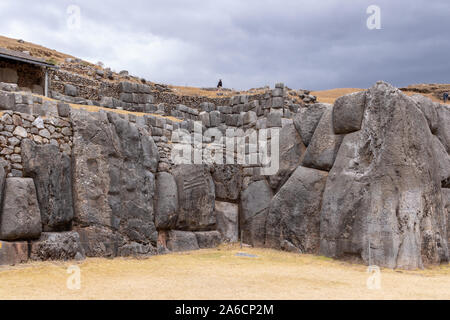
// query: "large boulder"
[[294, 215], [113, 180], [227, 217], [12, 253], [443, 159], [52, 174], [443, 129], [100, 241], [428, 108], [324, 145], [290, 155], [57, 246], [196, 198], [2, 180], [166, 213], [446, 202], [383, 192], [181, 241], [208, 239], [21, 218], [307, 119], [348, 112], [255, 202], [227, 181]]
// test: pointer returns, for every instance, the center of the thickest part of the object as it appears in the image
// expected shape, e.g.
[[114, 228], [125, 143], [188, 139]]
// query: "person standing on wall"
[[219, 85], [445, 97]]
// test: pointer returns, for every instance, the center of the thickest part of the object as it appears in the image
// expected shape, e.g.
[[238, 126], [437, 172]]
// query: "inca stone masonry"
[[367, 178]]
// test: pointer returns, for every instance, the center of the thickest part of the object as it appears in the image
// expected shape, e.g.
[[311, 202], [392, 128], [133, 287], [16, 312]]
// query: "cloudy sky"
[[307, 44]]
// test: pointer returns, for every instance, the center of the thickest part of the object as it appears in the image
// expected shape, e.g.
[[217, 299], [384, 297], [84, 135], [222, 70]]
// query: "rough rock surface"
[[294, 215], [208, 239], [446, 202], [181, 241], [227, 216], [52, 174], [348, 112], [12, 253], [324, 145], [195, 198], [57, 246], [21, 218], [100, 241], [291, 151], [428, 108], [166, 212], [307, 119], [227, 181], [255, 201], [2, 181], [443, 159], [113, 180], [384, 189], [443, 129]]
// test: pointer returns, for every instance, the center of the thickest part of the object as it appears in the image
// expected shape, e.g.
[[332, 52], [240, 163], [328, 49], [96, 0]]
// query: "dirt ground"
[[220, 274]]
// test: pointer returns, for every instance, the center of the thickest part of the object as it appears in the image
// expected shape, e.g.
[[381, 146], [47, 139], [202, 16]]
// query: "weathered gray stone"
[[134, 249], [100, 241], [20, 132], [57, 246], [255, 201], [348, 112], [227, 216], [307, 119], [63, 109], [195, 198], [12, 253], [324, 145], [181, 241], [443, 159], [7, 101], [443, 129], [294, 215], [290, 155], [274, 120], [446, 204], [383, 190], [215, 118], [204, 118], [227, 181], [21, 218], [113, 183], [208, 239], [428, 108], [70, 90], [2, 181], [166, 201], [52, 174]]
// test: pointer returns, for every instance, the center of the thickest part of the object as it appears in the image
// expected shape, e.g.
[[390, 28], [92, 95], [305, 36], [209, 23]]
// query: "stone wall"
[[365, 179]]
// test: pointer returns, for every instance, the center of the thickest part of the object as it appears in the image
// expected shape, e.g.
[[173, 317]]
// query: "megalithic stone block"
[[21, 217]]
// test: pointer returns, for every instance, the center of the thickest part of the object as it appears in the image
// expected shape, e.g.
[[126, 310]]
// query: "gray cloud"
[[306, 44]]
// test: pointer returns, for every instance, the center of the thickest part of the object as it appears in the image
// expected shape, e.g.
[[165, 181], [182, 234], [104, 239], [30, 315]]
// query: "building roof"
[[24, 57]]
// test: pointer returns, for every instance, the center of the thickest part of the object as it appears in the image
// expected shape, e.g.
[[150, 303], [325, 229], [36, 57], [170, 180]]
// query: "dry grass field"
[[220, 274]]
